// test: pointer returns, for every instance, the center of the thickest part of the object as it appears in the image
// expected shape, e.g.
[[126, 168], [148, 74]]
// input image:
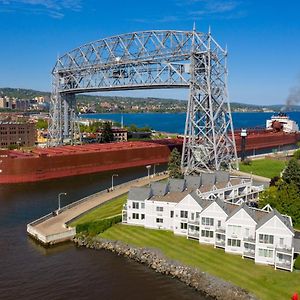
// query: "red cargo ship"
[[42, 164]]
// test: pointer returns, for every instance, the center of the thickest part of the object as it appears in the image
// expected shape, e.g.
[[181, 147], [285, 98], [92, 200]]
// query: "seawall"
[[195, 278]]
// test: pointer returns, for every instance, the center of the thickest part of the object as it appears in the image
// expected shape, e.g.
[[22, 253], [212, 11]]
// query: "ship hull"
[[68, 161]]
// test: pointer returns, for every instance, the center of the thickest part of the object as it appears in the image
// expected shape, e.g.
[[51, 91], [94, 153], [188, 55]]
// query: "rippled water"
[[29, 271]]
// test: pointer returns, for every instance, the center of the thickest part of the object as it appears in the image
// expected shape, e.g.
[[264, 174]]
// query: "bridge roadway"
[[53, 228]]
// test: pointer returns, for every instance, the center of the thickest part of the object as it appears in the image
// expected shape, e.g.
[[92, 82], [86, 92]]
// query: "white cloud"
[[53, 8]]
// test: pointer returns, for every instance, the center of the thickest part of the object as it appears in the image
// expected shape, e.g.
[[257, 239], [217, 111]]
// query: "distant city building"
[[120, 134], [213, 209], [17, 134]]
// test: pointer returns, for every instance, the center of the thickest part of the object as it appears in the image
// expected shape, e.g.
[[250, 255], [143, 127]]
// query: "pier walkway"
[[52, 228]]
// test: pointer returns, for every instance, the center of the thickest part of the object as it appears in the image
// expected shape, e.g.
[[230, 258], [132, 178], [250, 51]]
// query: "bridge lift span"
[[156, 59]]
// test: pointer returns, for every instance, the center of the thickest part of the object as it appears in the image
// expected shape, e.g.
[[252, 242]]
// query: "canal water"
[[29, 271]]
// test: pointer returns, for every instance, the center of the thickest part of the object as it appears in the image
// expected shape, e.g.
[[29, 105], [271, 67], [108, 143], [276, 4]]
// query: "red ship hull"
[[44, 164]]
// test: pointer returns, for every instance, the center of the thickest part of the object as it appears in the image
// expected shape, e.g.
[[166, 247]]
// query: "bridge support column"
[[208, 143]]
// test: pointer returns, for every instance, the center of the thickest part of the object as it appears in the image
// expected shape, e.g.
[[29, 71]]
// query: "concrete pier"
[[52, 228]]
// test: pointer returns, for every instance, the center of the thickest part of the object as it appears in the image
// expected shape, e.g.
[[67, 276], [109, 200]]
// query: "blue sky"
[[263, 38]]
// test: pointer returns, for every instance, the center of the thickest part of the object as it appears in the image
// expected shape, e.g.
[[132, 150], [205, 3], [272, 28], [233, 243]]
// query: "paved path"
[[56, 224], [255, 177]]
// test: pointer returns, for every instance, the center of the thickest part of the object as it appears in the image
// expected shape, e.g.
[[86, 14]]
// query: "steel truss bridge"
[[157, 59]]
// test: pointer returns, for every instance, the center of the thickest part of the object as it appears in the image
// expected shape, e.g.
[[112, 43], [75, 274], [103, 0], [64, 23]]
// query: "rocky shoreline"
[[201, 281]]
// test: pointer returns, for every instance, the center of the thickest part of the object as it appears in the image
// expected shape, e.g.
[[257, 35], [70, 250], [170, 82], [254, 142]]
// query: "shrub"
[[297, 154], [94, 228], [297, 263], [247, 161]]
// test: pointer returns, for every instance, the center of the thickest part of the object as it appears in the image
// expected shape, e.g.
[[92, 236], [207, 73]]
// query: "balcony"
[[194, 222], [249, 253], [220, 243], [286, 265], [124, 216], [220, 230], [193, 234], [249, 239], [284, 250]]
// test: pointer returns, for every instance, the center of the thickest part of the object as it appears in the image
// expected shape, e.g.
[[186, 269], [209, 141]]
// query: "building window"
[[142, 216], [159, 220], [208, 221], [183, 214], [172, 214], [159, 208], [142, 205], [135, 216], [197, 215], [265, 252], [219, 223], [234, 229], [281, 242], [207, 233], [183, 225], [266, 239], [234, 243], [135, 205]]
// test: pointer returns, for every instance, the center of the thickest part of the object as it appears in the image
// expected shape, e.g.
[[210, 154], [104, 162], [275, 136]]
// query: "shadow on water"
[[29, 271]]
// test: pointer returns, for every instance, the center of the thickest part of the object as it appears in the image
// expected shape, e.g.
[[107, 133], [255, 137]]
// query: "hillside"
[[161, 103]]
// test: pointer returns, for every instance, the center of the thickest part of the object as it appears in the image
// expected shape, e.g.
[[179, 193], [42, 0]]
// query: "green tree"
[[174, 166], [107, 133], [291, 174], [41, 124]]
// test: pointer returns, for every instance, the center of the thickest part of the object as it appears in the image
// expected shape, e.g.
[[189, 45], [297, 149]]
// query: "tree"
[[174, 166], [291, 174], [107, 133]]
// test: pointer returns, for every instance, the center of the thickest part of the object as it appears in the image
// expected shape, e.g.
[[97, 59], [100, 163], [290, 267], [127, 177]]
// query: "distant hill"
[[235, 106]]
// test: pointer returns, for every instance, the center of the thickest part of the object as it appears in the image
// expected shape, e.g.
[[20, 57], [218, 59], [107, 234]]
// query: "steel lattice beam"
[[153, 60]]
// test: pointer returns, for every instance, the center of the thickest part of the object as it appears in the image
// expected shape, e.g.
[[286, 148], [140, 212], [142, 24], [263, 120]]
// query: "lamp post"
[[59, 195], [154, 169], [243, 146], [112, 181], [148, 168]]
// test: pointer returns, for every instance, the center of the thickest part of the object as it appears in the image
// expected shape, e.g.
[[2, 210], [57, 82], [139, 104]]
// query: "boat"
[[18, 166], [280, 134]]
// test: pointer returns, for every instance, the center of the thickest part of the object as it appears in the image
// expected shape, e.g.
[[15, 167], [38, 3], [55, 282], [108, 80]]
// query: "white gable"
[[275, 226], [188, 202], [242, 218], [214, 210]]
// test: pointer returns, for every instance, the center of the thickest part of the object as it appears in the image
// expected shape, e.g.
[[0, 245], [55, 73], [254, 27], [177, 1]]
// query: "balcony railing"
[[249, 239], [283, 265], [220, 230], [193, 234], [249, 253], [220, 243], [284, 250], [194, 222]]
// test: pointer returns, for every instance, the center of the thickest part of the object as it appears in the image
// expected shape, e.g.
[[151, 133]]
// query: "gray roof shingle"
[[248, 210], [159, 188], [176, 185], [222, 176], [192, 182], [208, 178], [139, 193]]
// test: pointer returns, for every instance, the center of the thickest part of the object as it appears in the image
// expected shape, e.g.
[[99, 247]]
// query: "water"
[[174, 122], [29, 271]]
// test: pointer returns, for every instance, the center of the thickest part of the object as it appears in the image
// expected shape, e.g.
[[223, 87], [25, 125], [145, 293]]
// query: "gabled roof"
[[159, 188], [198, 199], [246, 208], [139, 193], [192, 182], [208, 178], [220, 203], [270, 215], [176, 185], [222, 176]]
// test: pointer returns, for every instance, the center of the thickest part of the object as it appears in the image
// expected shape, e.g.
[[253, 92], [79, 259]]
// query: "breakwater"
[[207, 284]]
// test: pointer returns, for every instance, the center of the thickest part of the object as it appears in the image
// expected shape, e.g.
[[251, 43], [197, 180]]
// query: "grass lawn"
[[264, 167], [108, 209], [263, 281]]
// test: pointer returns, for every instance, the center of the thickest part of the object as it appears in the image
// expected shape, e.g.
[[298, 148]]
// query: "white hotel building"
[[212, 208]]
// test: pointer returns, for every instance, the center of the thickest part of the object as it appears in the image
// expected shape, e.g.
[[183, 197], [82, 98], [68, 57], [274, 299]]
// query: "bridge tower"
[[209, 142]]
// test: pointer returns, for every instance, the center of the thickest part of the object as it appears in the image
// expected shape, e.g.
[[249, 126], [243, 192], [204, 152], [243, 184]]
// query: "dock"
[[53, 228]]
